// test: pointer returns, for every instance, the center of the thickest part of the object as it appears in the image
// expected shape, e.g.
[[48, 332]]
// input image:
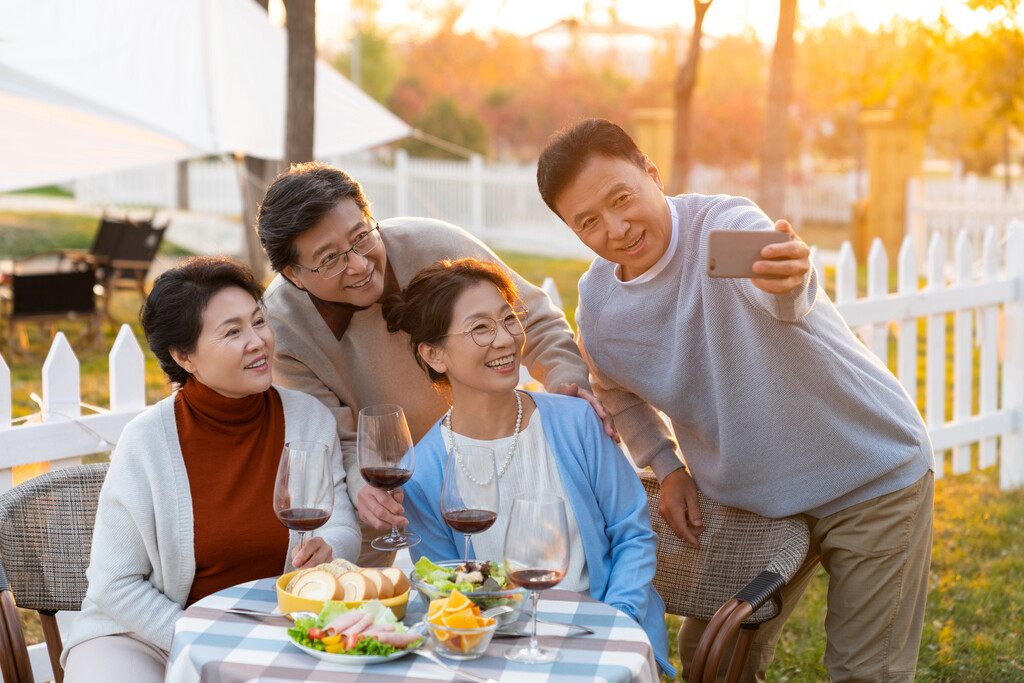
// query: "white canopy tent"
[[104, 85]]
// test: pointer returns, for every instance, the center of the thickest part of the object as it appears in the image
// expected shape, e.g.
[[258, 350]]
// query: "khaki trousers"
[[124, 657], [877, 555], [369, 556]]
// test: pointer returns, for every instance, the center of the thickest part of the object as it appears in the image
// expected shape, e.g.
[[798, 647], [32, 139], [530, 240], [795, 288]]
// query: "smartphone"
[[732, 253]]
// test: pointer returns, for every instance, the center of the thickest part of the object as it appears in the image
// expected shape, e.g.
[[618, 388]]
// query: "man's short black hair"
[[569, 149]]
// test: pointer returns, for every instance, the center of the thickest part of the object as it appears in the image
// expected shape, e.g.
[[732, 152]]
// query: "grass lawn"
[[974, 623]]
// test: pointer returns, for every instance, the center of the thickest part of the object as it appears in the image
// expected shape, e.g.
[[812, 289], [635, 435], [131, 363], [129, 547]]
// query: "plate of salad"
[[484, 583], [367, 634]]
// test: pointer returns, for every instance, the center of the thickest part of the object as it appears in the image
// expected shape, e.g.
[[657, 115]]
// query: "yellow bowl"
[[287, 602]]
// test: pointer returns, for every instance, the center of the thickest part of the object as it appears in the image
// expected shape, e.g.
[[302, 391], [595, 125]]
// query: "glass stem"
[[534, 595], [467, 546], [394, 529], [302, 538]]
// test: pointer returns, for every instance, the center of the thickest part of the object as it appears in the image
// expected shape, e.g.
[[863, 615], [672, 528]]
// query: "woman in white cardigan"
[[186, 508]]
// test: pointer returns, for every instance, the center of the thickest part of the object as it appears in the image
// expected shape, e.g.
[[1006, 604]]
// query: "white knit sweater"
[[143, 546]]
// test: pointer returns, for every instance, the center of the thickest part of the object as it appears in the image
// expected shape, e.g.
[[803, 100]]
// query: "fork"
[[585, 629], [423, 652]]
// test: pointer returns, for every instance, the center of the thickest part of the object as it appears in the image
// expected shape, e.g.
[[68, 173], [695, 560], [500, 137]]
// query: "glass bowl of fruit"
[[484, 583], [456, 629]]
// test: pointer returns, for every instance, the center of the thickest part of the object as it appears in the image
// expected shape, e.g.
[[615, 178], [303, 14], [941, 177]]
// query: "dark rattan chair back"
[[46, 526], [743, 559]]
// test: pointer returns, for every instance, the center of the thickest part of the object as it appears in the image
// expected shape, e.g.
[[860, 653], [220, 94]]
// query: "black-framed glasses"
[[334, 264], [485, 330]]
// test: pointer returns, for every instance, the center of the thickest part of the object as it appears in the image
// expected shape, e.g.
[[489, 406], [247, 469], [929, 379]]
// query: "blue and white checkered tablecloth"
[[215, 647]]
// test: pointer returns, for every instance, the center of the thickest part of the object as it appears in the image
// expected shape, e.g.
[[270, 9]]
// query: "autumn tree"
[[686, 83], [772, 174]]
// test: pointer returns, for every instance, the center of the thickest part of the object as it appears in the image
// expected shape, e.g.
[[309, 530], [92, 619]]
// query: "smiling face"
[[362, 282], [469, 367], [618, 210], [235, 347]]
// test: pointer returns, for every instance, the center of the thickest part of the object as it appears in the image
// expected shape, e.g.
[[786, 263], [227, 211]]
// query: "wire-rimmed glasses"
[[334, 264], [484, 330]]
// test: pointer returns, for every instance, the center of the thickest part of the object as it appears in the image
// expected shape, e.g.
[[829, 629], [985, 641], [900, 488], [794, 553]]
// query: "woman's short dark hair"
[[297, 200], [424, 309], [568, 150], [172, 315]]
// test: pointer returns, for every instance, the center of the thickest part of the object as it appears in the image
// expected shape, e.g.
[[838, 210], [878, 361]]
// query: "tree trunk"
[[254, 175], [686, 83], [772, 181], [301, 21]]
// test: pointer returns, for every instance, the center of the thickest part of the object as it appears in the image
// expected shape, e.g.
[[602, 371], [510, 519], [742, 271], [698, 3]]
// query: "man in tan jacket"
[[335, 264]]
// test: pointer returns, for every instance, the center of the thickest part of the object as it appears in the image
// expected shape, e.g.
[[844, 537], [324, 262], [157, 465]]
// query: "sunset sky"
[[724, 16]]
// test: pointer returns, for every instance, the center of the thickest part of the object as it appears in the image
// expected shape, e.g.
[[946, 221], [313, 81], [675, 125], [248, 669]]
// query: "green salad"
[[484, 583], [466, 577]]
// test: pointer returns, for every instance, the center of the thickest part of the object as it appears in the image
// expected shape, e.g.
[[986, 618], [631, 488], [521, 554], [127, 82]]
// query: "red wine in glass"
[[470, 521], [469, 492], [304, 488], [385, 477], [536, 556], [386, 461], [536, 579], [303, 519]]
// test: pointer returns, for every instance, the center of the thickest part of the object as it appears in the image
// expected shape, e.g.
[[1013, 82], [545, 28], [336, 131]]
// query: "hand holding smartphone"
[[733, 253]]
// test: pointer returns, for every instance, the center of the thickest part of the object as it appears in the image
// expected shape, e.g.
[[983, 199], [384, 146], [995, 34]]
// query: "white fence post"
[[1011, 465], [127, 373], [878, 288], [963, 350], [906, 342], [401, 183], [935, 354], [988, 334], [476, 195], [62, 389]]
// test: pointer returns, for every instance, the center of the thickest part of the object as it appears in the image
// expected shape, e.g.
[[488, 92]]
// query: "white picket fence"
[[497, 202], [984, 295], [945, 206]]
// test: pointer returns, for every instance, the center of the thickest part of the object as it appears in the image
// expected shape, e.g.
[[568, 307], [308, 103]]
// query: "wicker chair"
[[46, 528], [734, 579]]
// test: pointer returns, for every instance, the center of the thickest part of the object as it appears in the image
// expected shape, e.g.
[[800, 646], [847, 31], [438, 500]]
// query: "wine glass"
[[386, 460], [469, 494], [536, 557], [304, 488]]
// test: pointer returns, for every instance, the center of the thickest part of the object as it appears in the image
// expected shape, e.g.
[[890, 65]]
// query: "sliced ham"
[[398, 639], [378, 628], [364, 622], [344, 621]]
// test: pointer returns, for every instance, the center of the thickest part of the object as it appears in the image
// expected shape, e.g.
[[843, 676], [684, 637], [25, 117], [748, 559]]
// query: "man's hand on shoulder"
[[573, 389], [678, 506], [794, 263]]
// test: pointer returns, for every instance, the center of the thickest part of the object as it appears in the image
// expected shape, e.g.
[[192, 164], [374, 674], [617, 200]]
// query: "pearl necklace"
[[511, 448]]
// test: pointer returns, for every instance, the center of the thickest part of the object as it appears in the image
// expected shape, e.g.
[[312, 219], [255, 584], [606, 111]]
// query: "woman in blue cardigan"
[[467, 334]]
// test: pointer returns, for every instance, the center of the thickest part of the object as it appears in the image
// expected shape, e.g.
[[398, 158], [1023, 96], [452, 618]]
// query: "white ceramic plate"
[[356, 660]]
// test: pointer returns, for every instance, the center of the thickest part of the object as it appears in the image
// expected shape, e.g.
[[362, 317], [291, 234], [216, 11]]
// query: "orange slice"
[[435, 608], [457, 602], [463, 619]]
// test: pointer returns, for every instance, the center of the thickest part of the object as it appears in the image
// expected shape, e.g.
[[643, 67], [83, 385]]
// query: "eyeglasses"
[[334, 264], [485, 330]]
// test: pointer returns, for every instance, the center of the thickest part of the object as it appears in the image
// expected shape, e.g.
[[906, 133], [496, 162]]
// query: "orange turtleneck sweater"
[[232, 447]]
